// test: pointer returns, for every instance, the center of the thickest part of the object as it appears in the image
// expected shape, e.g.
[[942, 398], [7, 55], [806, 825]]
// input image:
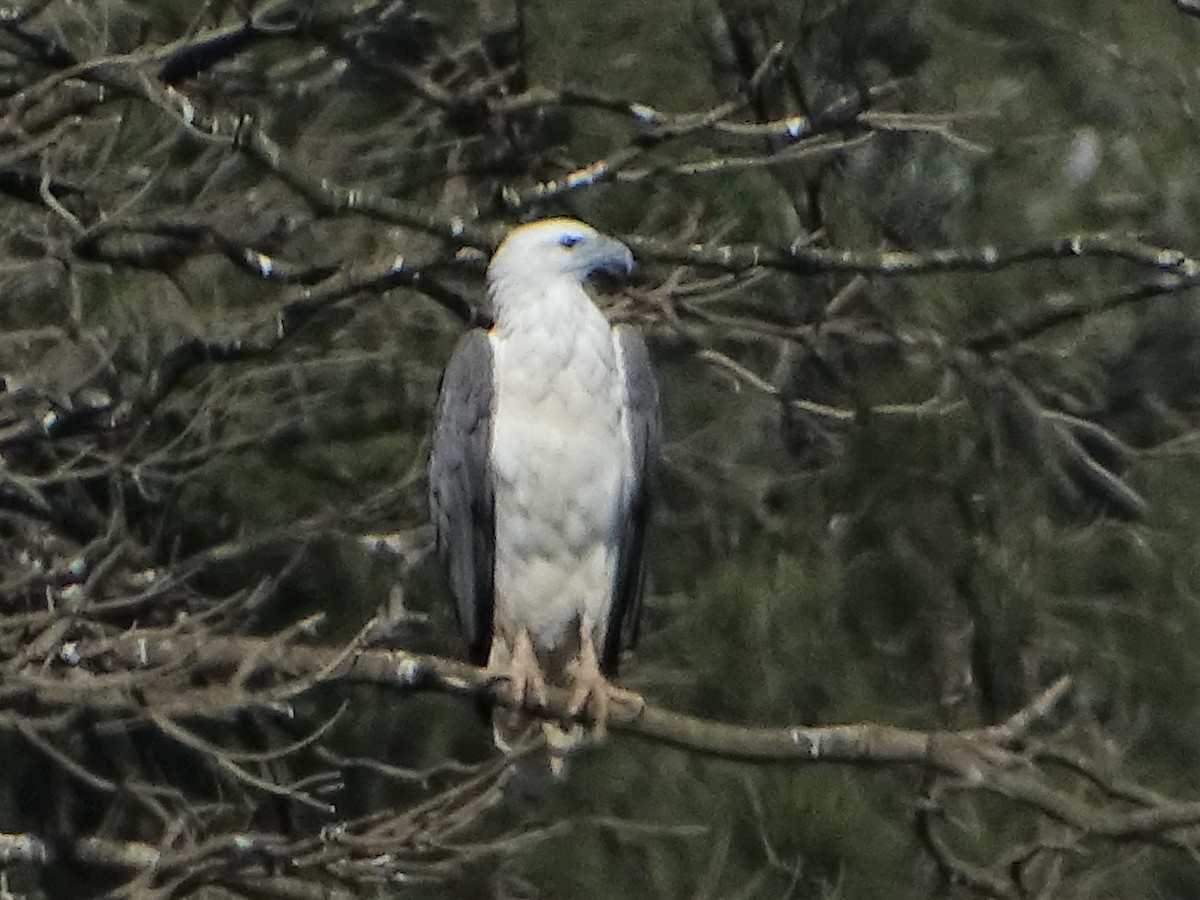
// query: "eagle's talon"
[[494, 682], [589, 704], [519, 683], [500, 688], [589, 696], [533, 692], [630, 705]]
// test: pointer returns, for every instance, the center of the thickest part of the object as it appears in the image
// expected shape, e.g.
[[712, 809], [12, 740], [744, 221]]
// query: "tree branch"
[[976, 759], [964, 754]]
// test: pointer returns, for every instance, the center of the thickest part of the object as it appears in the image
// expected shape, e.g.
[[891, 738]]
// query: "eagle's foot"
[[590, 690], [520, 681], [589, 702], [626, 705]]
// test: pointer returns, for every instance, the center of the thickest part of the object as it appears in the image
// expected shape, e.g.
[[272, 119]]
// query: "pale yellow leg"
[[589, 688], [526, 686]]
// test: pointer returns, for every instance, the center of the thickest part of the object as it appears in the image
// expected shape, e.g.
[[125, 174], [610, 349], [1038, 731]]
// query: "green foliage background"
[[927, 571]]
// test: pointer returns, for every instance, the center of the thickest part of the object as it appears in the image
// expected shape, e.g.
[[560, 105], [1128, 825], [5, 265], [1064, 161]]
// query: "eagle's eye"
[[569, 240]]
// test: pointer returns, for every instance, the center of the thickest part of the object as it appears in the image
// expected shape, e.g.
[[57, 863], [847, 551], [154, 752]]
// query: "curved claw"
[[589, 701], [629, 704], [590, 689], [518, 683]]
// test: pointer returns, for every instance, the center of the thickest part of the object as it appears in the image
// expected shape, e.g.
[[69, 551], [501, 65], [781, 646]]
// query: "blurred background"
[[940, 452]]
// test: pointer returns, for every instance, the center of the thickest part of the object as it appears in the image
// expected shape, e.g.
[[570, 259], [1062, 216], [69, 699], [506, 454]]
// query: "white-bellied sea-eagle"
[[547, 426]]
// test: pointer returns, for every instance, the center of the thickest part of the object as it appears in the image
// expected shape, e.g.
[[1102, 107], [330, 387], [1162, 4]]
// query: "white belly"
[[561, 465]]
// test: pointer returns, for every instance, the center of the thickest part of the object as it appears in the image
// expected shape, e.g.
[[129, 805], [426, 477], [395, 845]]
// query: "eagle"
[[546, 432]]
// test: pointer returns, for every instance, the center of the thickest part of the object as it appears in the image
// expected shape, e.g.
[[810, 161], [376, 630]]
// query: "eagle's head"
[[553, 249]]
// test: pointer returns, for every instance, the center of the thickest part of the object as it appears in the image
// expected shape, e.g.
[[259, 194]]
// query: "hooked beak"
[[612, 257]]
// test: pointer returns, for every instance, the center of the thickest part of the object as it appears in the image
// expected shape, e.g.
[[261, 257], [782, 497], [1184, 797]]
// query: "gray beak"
[[612, 257]]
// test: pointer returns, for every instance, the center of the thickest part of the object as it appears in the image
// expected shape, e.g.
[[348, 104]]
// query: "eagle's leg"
[[589, 688], [526, 684]]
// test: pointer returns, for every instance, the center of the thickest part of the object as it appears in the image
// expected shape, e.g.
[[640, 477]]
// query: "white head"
[[533, 257]]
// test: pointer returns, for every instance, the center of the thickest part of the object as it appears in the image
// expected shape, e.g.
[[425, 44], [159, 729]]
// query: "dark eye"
[[569, 240]]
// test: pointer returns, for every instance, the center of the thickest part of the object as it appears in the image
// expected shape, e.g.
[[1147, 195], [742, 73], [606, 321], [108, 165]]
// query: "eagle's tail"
[[512, 731], [559, 742]]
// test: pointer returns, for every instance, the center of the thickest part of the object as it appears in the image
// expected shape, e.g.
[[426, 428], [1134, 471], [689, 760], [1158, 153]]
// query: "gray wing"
[[645, 430], [460, 487]]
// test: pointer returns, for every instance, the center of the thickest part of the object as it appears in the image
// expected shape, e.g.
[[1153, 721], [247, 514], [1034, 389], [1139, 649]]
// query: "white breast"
[[561, 463]]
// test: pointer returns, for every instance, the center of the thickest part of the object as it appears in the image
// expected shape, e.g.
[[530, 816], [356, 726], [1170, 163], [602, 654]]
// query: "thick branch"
[[961, 754], [979, 758], [991, 760]]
